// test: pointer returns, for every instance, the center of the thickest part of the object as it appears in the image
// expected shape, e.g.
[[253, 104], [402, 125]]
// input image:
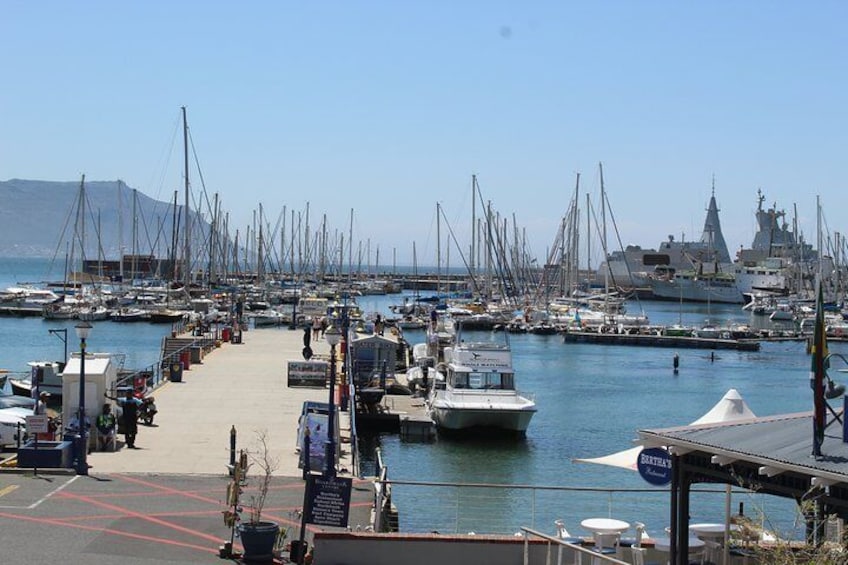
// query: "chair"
[[641, 534], [712, 552], [638, 554], [562, 533], [697, 556]]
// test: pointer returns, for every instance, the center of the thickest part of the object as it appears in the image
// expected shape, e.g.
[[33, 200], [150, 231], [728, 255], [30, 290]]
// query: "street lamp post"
[[83, 329], [333, 336]]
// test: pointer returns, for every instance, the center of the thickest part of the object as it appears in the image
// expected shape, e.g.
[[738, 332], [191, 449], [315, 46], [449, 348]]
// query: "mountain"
[[37, 219]]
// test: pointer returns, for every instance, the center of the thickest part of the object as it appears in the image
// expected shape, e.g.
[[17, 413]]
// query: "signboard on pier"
[[308, 373], [329, 501]]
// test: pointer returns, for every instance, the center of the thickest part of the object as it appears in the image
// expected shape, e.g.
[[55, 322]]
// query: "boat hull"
[[471, 419]]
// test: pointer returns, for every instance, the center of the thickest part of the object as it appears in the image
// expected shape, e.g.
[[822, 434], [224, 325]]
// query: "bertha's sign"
[[654, 465]]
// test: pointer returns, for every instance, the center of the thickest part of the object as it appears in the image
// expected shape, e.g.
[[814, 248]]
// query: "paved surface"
[[163, 503]]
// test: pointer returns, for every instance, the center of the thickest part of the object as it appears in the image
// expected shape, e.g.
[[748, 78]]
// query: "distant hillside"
[[37, 219]]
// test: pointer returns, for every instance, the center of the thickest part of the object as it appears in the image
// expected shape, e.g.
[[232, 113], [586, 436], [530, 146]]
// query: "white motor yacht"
[[478, 392]]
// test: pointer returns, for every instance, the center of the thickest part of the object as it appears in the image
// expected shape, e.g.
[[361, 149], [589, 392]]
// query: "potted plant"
[[258, 537]]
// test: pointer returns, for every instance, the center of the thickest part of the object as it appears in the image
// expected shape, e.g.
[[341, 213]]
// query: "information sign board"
[[308, 373], [329, 501], [37, 424]]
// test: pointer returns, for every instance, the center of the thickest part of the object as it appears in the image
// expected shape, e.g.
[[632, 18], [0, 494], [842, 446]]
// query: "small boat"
[[48, 375], [93, 314], [268, 319], [478, 392], [166, 316], [129, 315]]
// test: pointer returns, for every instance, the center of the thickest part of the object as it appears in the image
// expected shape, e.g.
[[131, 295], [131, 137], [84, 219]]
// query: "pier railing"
[[156, 374], [487, 508]]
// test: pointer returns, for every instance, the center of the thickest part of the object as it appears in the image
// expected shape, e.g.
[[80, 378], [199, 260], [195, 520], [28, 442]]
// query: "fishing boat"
[[478, 392]]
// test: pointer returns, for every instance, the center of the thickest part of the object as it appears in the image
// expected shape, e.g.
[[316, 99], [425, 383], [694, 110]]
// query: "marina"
[[423, 468]]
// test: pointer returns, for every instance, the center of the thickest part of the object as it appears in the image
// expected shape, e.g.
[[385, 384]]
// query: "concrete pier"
[[241, 385]]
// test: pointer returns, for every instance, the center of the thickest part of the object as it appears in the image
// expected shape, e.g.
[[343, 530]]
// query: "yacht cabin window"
[[483, 380]]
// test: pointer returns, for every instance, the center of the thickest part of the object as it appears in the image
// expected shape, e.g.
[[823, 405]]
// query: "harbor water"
[[591, 399]]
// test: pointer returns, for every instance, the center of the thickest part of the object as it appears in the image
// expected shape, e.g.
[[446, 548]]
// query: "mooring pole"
[[232, 450]]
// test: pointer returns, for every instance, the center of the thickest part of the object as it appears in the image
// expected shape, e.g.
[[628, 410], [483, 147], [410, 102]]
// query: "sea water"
[[591, 400]]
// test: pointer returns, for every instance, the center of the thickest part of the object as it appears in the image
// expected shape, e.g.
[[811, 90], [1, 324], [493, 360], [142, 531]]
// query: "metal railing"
[[448, 507], [154, 375], [553, 541]]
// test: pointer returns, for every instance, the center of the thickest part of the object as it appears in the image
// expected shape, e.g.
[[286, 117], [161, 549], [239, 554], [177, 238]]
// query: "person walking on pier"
[[316, 327], [129, 416]]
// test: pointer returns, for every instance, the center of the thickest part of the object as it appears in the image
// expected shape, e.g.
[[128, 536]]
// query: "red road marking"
[[53, 522]]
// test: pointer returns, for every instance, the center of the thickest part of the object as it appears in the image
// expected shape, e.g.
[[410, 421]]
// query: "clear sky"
[[388, 107]]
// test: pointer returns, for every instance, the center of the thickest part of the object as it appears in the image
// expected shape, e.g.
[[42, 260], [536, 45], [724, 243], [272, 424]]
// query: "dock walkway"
[[242, 385]]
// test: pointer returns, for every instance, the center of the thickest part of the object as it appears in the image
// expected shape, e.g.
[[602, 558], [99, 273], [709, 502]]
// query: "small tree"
[[266, 465]]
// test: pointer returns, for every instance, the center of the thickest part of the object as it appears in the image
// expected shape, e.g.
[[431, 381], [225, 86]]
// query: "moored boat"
[[479, 392]]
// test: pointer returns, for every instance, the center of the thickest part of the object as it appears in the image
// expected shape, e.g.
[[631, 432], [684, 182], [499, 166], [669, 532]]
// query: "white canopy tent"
[[730, 408]]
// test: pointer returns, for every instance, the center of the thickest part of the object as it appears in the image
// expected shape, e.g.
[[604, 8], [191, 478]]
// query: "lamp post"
[[333, 336], [83, 329]]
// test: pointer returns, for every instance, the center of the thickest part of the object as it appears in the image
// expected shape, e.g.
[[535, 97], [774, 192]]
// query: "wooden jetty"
[[646, 340]]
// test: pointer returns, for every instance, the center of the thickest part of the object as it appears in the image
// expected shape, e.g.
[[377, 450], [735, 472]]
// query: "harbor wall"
[[425, 549]]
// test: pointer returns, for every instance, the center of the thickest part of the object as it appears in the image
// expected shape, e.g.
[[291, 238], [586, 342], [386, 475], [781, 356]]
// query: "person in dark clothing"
[[129, 416]]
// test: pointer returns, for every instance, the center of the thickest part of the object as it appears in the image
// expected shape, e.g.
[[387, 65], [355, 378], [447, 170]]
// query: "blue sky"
[[389, 107]]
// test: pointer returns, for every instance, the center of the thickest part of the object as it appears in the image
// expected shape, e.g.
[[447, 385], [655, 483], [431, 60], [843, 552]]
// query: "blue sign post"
[[654, 465]]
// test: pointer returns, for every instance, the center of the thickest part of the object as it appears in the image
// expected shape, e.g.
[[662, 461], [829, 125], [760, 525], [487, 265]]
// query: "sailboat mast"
[[473, 221], [134, 266], [187, 222], [174, 239], [120, 231], [604, 235], [350, 248], [438, 252]]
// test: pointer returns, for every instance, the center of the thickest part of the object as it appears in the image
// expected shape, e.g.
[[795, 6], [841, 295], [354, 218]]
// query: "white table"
[[713, 532], [710, 530], [605, 531], [663, 544]]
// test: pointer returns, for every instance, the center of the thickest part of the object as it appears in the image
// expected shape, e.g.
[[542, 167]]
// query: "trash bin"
[[236, 337], [225, 333], [176, 372], [185, 359], [297, 552], [196, 353]]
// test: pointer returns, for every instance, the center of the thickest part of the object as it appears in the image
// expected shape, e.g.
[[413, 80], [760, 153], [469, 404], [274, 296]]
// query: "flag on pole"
[[817, 373]]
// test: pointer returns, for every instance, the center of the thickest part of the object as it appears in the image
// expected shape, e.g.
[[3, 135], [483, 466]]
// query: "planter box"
[[49, 455]]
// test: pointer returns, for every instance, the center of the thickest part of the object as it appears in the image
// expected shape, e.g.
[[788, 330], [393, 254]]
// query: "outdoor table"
[[605, 531], [711, 531], [663, 544]]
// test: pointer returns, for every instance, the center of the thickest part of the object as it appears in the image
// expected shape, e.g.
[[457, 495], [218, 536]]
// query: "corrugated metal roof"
[[784, 441]]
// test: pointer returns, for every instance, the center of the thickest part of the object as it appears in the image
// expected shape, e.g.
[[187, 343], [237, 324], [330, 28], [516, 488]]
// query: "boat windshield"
[[484, 380]]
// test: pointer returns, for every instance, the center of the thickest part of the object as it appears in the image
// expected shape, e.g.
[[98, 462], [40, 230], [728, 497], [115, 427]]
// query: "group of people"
[[106, 421]]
